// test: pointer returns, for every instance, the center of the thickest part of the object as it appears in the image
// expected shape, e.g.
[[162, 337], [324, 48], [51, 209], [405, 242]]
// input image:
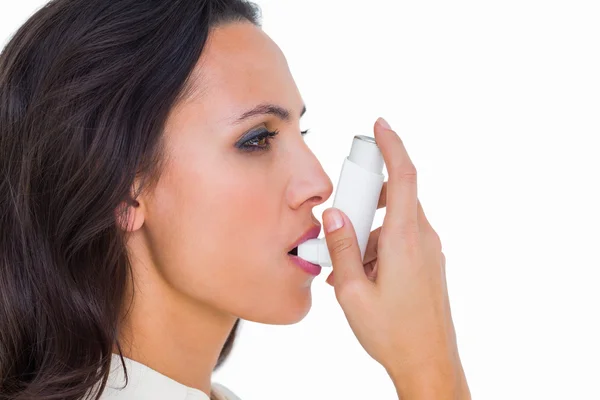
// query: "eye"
[[261, 141], [304, 133]]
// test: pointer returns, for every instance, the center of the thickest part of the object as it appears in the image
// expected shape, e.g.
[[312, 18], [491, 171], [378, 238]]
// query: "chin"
[[285, 312]]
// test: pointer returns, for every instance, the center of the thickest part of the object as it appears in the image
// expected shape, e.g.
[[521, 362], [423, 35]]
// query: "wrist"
[[439, 380]]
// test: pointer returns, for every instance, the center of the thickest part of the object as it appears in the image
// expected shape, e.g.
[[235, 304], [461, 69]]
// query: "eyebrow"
[[269, 109]]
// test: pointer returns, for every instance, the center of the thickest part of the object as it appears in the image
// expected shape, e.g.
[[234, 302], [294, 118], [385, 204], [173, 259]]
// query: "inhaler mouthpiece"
[[357, 195], [315, 251]]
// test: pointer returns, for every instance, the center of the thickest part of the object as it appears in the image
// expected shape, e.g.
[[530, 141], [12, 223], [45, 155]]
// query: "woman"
[[153, 179]]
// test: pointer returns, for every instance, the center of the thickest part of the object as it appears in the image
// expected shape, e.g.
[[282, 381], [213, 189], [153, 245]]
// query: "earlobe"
[[130, 215]]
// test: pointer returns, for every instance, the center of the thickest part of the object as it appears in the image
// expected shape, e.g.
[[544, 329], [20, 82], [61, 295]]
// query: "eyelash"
[[268, 135]]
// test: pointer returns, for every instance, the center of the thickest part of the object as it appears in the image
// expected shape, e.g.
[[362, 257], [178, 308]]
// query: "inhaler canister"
[[357, 196]]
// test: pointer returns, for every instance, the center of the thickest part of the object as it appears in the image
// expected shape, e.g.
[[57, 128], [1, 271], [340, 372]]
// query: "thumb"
[[343, 249]]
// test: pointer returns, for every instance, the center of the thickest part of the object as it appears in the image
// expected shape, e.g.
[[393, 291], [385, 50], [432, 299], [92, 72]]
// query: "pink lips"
[[311, 233], [310, 268]]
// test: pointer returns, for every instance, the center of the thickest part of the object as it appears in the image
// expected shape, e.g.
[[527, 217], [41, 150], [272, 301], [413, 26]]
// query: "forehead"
[[241, 65]]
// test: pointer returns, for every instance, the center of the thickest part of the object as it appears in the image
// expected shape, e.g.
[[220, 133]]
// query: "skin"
[[210, 242], [399, 310]]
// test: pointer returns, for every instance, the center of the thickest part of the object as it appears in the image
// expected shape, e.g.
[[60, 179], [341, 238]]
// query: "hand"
[[370, 260], [397, 301]]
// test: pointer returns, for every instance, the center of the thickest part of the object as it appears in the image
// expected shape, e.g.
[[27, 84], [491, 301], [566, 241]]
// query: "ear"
[[130, 214]]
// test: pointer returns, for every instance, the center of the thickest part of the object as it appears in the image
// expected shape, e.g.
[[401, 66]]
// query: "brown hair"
[[85, 90]]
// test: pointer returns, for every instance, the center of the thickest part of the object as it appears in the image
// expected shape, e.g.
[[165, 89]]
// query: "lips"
[[312, 269], [311, 233]]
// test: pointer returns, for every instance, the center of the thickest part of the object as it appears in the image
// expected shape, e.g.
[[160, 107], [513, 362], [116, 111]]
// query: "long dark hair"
[[85, 89]]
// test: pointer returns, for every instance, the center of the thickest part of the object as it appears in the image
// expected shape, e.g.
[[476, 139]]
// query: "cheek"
[[240, 214], [214, 218], [253, 279], [219, 241], [196, 231]]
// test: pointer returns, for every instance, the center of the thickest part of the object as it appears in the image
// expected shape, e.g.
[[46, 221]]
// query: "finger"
[[343, 250], [371, 270], [371, 250], [425, 226], [383, 196], [330, 278], [401, 201], [443, 273], [423, 221]]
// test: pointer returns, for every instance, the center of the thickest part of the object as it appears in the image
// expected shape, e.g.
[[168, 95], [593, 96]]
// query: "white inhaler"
[[357, 195]]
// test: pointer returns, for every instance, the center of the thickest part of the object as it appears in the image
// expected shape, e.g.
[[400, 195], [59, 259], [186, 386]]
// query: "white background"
[[498, 103]]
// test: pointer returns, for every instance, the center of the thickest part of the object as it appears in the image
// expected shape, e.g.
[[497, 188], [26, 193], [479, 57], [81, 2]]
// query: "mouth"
[[311, 233]]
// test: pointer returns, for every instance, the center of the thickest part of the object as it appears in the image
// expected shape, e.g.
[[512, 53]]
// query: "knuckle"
[[349, 292], [443, 264], [410, 230], [340, 245], [409, 174], [411, 240], [406, 235], [434, 238], [405, 170]]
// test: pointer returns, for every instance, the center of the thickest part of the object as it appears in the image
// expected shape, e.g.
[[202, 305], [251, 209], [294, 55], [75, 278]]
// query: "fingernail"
[[333, 220], [383, 123]]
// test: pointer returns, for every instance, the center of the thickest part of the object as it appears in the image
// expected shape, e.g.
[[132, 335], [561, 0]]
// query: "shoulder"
[[223, 392], [140, 382]]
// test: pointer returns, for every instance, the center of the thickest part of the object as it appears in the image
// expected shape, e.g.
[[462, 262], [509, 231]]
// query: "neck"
[[172, 333]]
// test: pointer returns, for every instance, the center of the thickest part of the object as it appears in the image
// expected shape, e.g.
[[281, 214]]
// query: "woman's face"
[[228, 208]]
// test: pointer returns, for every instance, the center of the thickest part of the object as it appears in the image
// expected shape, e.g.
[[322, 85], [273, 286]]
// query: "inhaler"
[[357, 196]]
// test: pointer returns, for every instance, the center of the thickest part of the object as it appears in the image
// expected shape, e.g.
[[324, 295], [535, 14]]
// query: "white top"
[[146, 383]]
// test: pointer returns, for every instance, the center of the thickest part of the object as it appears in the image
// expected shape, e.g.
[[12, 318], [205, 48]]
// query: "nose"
[[309, 185]]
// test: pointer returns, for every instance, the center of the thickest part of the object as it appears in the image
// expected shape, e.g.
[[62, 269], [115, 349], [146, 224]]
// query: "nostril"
[[316, 199]]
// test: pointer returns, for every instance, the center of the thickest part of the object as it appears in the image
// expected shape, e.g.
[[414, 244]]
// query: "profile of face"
[[230, 202]]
